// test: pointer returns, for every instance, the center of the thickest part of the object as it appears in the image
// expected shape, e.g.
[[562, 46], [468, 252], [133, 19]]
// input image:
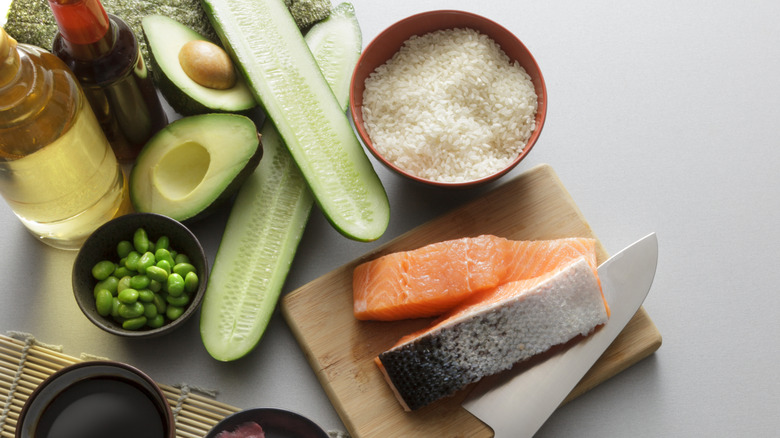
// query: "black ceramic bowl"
[[276, 423], [102, 245], [97, 398]]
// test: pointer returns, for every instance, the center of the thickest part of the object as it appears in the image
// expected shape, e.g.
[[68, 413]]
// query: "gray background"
[[663, 116]]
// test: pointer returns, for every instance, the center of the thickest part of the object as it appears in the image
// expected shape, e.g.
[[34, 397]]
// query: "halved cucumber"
[[284, 77], [269, 215]]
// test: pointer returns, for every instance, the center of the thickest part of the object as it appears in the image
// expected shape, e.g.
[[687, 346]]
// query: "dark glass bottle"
[[103, 53]]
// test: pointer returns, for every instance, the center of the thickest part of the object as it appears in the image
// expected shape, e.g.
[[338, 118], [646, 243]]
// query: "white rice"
[[450, 106]]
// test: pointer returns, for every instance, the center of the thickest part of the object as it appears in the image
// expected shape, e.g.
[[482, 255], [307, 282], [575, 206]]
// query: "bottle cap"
[[80, 21]]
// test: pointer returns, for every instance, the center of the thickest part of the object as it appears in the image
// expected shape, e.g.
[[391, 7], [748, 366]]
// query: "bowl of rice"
[[448, 98]]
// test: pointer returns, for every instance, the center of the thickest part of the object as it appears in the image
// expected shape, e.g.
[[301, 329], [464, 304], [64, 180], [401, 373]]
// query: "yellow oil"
[[57, 170]]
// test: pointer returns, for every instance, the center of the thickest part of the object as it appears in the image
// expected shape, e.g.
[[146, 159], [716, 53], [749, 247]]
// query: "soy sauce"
[[103, 53], [101, 408]]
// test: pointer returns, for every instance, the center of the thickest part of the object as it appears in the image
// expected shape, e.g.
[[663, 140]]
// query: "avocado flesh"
[[165, 38], [189, 167]]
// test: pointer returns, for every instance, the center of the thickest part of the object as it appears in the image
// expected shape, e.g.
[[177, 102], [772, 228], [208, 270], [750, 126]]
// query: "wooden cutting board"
[[340, 349]]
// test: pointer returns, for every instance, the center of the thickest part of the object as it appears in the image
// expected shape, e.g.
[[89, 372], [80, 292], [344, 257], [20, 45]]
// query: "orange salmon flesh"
[[434, 279]]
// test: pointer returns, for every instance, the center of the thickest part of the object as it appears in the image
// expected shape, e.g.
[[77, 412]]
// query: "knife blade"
[[518, 404]]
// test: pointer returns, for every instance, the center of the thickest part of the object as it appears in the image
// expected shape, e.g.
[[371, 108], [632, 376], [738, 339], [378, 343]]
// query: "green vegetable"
[[140, 241], [268, 218], [157, 273], [129, 311], [183, 269], [32, 22], [162, 244], [175, 285], [146, 295], [140, 281], [131, 300], [194, 164], [134, 323], [144, 262], [296, 97], [174, 312], [124, 248], [166, 37], [103, 302], [110, 284], [128, 296], [103, 269]]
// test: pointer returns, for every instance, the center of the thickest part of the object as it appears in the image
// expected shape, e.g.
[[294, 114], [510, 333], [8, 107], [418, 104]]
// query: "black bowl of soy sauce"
[[97, 399]]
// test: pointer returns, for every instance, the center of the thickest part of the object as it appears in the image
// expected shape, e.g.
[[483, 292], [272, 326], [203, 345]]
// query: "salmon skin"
[[493, 330], [433, 279]]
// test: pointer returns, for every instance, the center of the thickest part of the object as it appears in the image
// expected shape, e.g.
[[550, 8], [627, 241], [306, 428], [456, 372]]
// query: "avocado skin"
[[233, 187]]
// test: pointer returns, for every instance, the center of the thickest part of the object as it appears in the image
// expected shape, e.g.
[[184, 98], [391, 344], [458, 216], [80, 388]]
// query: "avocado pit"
[[207, 64]]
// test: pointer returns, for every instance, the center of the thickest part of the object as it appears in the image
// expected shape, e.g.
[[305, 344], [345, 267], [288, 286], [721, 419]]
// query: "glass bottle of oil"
[[103, 53], [57, 170]]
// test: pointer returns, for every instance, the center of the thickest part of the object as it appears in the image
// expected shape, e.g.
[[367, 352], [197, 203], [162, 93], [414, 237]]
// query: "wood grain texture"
[[341, 349]]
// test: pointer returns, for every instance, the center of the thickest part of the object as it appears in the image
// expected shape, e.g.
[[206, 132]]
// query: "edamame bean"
[[163, 264], [104, 302], [146, 260], [160, 303], [123, 248], [146, 295], [181, 258], [131, 262], [134, 323], [128, 296], [115, 303], [155, 286], [174, 285], [173, 312], [150, 310], [163, 242], [183, 268], [140, 281], [156, 273], [141, 241], [111, 283], [123, 283], [179, 301], [164, 254], [129, 311], [156, 322], [103, 269], [191, 282], [122, 271]]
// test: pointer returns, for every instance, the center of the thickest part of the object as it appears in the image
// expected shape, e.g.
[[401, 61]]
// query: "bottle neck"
[[9, 59], [84, 26]]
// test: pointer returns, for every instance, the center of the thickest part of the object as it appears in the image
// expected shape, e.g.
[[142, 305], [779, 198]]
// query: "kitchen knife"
[[517, 404]]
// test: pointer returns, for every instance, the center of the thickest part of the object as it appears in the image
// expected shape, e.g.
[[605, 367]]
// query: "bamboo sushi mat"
[[25, 363]]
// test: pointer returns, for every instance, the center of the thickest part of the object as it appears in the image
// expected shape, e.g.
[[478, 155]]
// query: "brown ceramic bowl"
[[102, 245], [389, 41], [97, 398]]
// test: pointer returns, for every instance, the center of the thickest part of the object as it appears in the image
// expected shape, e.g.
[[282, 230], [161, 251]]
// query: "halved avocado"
[[193, 164], [165, 38]]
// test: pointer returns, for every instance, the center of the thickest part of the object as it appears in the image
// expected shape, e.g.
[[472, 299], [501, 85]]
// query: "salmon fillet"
[[493, 330], [433, 279]]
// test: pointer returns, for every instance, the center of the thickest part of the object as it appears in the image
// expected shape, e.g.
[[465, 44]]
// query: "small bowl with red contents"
[[448, 98], [269, 421]]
